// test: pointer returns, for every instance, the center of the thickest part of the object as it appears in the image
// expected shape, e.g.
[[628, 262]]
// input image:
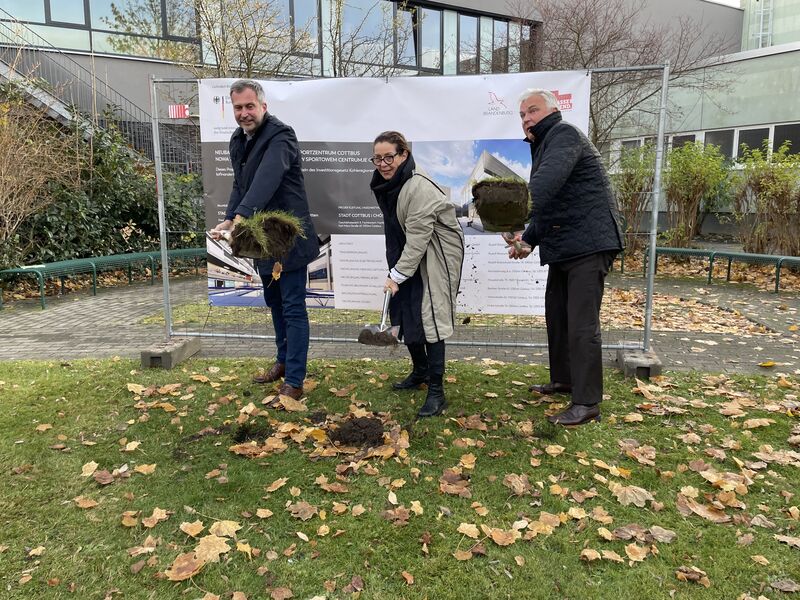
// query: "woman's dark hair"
[[396, 138]]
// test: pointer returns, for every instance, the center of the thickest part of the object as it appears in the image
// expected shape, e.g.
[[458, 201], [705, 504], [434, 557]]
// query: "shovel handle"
[[387, 296]]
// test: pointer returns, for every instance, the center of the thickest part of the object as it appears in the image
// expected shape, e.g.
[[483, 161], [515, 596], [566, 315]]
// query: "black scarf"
[[386, 193]]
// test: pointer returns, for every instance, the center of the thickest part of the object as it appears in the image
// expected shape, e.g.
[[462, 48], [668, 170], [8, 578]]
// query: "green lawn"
[[58, 418]]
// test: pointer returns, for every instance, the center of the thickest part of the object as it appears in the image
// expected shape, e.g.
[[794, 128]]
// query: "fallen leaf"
[[211, 547], [184, 567], [630, 494], [88, 469], [192, 529], [470, 530], [693, 574], [83, 502], [589, 555], [408, 577], [224, 528], [145, 469], [277, 484]]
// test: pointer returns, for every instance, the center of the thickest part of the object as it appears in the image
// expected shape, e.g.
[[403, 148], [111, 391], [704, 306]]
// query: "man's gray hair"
[[241, 85], [549, 97]]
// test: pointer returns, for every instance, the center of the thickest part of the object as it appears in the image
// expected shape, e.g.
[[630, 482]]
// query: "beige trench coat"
[[435, 245]]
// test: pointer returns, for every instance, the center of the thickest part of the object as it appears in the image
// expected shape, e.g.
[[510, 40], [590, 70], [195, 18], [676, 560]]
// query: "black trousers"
[[572, 311]]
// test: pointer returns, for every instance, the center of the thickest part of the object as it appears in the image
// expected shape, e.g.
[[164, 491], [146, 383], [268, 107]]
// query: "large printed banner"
[[461, 130]]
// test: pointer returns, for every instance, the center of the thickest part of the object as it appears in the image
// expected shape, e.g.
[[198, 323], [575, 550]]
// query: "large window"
[[467, 44], [753, 139], [500, 47], [723, 139], [155, 28], [787, 133], [431, 23]]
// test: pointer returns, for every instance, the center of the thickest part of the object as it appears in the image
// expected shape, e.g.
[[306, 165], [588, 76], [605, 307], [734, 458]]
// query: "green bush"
[[695, 182], [113, 210], [633, 184], [767, 201]]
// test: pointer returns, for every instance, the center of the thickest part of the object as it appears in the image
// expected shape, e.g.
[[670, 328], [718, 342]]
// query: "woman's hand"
[[391, 286]]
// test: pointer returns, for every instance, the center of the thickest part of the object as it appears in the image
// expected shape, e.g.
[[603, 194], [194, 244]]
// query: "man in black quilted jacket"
[[575, 223]]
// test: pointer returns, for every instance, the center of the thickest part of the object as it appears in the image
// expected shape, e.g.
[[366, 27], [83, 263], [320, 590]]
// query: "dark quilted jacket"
[[574, 211]]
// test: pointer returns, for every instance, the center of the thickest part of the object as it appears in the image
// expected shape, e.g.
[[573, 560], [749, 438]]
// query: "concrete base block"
[[168, 355], [638, 363]]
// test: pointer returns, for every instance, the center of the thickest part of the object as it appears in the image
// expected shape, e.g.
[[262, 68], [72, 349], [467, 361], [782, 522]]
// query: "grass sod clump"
[[57, 418], [268, 234], [503, 203]]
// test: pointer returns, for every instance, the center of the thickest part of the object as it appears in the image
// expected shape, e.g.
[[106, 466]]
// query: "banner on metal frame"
[[461, 130]]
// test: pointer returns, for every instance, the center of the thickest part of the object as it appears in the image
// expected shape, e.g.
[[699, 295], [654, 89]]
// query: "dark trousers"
[[286, 299], [428, 359], [572, 311]]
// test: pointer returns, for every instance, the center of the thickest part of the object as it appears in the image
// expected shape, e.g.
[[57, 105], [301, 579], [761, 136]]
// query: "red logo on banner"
[[564, 100], [178, 111]]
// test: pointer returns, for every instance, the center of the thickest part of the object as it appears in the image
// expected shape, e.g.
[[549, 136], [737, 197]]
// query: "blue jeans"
[[286, 299]]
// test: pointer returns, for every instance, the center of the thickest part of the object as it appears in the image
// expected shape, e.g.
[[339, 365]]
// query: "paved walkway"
[[81, 326]]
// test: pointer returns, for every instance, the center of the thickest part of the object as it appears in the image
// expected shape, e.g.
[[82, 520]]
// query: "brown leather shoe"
[[289, 390], [275, 372], [548, 389], [576, 414]]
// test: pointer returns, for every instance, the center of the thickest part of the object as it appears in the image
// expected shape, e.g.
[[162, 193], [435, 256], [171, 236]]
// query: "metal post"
[[655, 202], [162, 217]]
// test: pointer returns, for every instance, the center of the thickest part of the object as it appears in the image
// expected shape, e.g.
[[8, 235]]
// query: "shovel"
[[380, 335]]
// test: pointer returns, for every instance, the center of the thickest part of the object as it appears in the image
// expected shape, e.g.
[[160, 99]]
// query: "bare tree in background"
[[36, 158], [586, 34], [369, 41]]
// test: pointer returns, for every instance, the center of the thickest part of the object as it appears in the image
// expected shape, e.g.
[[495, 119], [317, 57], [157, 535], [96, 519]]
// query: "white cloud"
[[446, 160], [521, 169]]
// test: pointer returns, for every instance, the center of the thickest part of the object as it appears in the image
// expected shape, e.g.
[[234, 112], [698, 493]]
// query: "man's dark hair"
[[396, 138]]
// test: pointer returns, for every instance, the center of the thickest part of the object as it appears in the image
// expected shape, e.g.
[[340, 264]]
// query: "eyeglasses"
[[388, 159]]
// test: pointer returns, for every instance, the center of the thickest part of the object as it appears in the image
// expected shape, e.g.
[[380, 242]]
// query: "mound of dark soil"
[[359, 432]]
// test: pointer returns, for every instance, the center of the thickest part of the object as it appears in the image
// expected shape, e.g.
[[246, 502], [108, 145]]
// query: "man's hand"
[[389, 284], [226, 225], [519, 250]]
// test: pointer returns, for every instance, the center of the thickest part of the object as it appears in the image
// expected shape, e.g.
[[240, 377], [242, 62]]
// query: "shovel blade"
[[373, 335]]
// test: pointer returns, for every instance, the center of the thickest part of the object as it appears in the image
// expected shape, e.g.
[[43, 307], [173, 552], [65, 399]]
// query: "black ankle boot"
[[412, 381], [435, 401]]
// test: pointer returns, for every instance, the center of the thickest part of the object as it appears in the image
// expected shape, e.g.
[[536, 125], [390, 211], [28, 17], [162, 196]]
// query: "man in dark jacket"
[[574, 221], [267, 175]]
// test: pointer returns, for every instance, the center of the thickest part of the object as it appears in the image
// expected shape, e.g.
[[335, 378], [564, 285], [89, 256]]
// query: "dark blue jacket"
[[267, 175], [574, 211]]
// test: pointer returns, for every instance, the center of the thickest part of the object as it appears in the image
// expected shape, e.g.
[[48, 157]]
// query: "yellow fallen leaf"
[[192, 529], [263, 513], [84, 503], [462, 555], [88, 469], [469, 530], [408, 577], [145, 469], [589, 555], [224, 528], [767, 364], [210, 547], [762, 560], [277, 484]]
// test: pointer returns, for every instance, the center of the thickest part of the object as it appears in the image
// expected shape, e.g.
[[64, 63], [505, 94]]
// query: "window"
[[68, 11], [722, 138], [500, 47], [449, 42], [787, 133], [752, 139], [514, 46], [485, 36], [305, 22], [467, 44], [680, 140], [25, 10], [366, 35], [127, 16], [431, 57], [405, 38], [628, 145]]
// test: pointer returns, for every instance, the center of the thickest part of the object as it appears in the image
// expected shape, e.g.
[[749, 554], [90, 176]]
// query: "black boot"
[[412, 381], [435, 401], [419, 374]]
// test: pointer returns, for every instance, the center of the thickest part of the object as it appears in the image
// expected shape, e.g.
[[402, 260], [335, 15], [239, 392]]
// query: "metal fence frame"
[[644, 344]]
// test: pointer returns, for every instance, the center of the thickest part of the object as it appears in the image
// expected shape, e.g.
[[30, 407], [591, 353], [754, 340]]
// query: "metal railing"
[[49, 69]]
